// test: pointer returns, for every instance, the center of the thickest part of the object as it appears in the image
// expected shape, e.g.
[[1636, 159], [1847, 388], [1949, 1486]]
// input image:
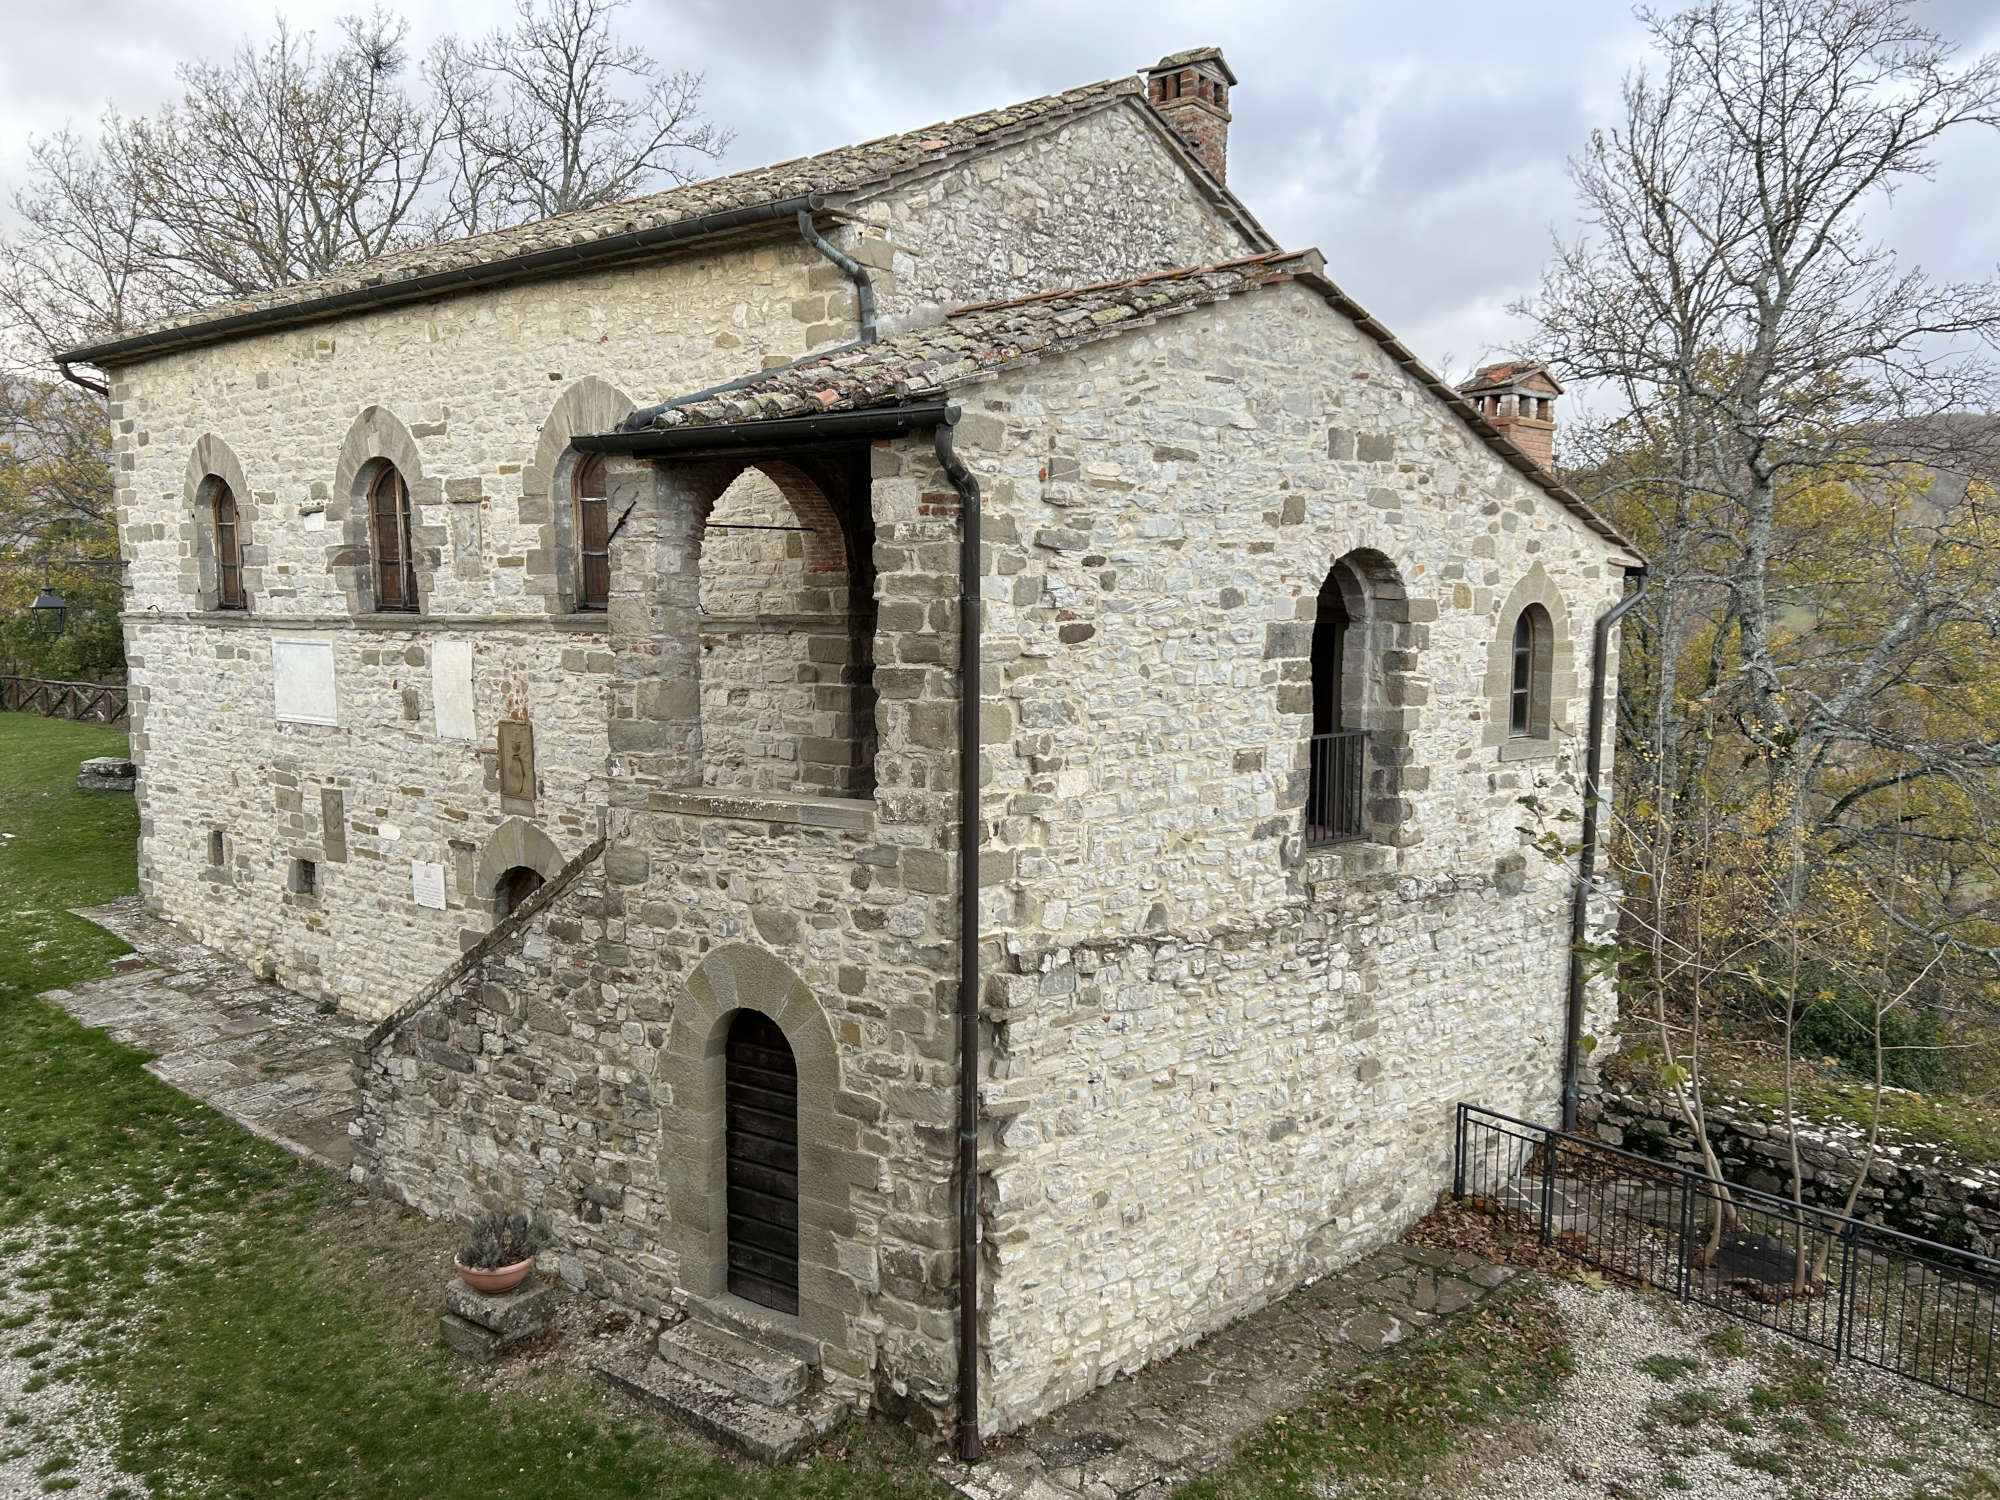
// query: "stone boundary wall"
[[1920, 1187]]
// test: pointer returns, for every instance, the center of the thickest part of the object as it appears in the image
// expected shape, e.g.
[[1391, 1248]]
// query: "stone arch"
[[546, 505], [1534, 588], [1380, 691], [516, 843], [733, 978], [787, 634], [212, 463], [378, 437]]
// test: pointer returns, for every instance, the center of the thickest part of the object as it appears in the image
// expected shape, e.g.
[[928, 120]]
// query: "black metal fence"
[[1854, 1290], [1334, 787], [87, 702]]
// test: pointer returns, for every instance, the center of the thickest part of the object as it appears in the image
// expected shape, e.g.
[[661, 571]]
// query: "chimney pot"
[[1518, 400], [1191, 92]]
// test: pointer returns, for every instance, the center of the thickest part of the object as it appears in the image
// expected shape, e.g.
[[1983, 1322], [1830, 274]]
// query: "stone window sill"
[[768, 807], [1529, 749]]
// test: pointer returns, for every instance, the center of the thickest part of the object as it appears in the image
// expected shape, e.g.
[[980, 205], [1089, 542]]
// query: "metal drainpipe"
[[1586, 859], [83, 380], [864, 296], [968, 936], [864, 289]]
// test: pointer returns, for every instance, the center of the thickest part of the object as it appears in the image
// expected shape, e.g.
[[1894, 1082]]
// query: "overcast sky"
[[1420, 146]]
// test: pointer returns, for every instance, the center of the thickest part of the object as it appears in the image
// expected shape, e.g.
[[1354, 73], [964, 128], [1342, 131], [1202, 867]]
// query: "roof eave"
[[1424, 375], [849, 424], [526, 266]]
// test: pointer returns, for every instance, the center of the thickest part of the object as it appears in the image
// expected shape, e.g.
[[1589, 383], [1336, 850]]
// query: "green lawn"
[[67, 849], [256, 1328]]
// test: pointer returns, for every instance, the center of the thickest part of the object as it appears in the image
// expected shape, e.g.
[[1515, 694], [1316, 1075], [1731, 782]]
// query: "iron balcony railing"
[[1853, 1290], [1338, 774]]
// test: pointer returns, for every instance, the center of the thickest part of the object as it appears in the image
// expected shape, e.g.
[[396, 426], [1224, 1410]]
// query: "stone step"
[[771, 1433], [756, 1325], [736, 1363]]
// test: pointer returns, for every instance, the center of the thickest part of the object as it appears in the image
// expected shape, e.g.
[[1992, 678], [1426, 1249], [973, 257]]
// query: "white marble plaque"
[[451, 690], [302, 682], [427, 884]]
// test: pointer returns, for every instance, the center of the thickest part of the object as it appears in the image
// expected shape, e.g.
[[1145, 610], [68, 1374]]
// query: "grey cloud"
[[1420, 146]]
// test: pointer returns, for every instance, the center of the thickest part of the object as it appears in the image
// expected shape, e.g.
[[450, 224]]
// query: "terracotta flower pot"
[[499, 1279]]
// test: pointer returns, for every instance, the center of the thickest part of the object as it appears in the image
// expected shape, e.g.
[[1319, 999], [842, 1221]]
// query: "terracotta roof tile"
[[980, 339], [846, 169]]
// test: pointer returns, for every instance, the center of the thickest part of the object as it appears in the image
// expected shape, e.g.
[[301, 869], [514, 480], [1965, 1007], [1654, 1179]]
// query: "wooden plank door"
[[761, 1099]]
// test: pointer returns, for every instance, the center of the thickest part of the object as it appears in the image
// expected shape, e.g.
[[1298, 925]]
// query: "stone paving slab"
[[1183, 1417], [250, 1049]]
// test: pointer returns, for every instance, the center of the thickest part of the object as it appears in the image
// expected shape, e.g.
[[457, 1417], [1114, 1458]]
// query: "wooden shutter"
[[228, 552], [395, 568], [593, 547]]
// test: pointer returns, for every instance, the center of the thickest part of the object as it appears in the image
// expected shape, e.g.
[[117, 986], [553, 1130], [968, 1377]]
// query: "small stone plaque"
[[517, 759], [427, 884]]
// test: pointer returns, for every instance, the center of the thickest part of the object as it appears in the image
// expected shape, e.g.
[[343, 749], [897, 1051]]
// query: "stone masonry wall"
[[361, 799], [1920, 1187], [475, 398], [1221, 1062], [565, 1069], [1100, 199]]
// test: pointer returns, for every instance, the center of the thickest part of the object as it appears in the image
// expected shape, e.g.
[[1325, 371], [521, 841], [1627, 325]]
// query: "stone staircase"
[[731, 1372]]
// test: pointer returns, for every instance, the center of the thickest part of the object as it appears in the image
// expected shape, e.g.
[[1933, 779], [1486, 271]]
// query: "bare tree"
[[559, 115], [283, 162], [1760, 344], [290, 159]]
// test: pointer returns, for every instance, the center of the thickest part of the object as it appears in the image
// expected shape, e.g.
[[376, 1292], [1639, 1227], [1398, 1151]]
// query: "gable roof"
[[637, 226], [985, 339]]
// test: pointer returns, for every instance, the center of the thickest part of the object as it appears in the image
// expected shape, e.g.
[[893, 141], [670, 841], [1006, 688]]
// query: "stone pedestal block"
[[483, 1328], [106, 773]]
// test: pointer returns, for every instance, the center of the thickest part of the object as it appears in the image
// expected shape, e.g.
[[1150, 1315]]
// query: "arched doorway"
[[515, 887], [761, 1155]]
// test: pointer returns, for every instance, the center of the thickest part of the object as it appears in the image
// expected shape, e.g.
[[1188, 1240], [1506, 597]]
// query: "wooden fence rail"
[[86, 702]]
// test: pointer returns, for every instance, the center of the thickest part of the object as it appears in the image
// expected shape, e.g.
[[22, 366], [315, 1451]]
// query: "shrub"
[[497, 1238]]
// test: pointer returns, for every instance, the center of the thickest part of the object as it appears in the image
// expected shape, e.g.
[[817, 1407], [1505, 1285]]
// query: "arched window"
[[593, 538], [1528, 689], [1363, 660], [228, 549], [515, 887], [389, 531]]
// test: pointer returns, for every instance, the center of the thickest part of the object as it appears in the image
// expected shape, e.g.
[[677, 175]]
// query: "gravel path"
[[1668, 1402], [49, 1441]]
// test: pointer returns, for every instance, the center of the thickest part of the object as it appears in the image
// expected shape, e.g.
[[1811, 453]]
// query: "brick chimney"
[[1518, 398], [1191, 90]]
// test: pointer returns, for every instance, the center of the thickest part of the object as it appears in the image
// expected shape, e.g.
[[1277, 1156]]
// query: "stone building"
[[550, 643]]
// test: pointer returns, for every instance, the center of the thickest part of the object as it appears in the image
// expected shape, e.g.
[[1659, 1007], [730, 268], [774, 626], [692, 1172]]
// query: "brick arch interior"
[[547, 505], [1557, 673], [831, 1162], [212, 464], [787, 633], [378, 437], [1379, 688]]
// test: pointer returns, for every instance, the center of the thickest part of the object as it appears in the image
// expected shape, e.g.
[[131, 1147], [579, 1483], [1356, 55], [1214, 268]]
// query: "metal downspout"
[[1586, 859], [968, 936], [864, 295], [83, 380], [864, 289]]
